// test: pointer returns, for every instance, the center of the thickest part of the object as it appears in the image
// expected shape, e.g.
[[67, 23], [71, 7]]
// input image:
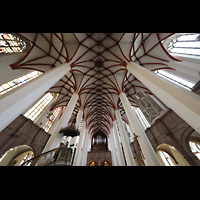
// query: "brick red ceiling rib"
[[98, 62]]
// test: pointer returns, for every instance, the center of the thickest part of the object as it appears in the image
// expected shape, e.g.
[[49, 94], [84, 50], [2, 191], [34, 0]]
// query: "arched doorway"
[[170, 156], [92, 163], [16, 156], [105, 163]]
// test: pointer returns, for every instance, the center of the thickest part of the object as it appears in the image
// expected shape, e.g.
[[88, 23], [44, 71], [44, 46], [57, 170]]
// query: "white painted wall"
[[6, 72]]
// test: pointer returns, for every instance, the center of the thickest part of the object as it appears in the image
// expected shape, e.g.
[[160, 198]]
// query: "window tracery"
[[11, 44], [52, 119], [185, 44], [176, 79], [18, 81], [34, 112]]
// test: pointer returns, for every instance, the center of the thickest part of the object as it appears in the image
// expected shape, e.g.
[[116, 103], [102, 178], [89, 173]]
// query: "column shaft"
[[16, 101], [85, 144], [125, 141], [185, 103], [146, 146], [112, 142], [78, 122], [56, 137], [79, 146], [79, 117], [119, 150]]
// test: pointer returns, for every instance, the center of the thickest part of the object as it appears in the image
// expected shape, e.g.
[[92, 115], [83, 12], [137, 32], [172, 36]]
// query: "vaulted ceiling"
[[98, 62]]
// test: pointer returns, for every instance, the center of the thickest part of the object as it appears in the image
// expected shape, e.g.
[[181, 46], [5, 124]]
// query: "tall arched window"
[[185, 44], [18, 81], [195, 148], [51, 119], [10, 43], [34, 112], [176, 79]]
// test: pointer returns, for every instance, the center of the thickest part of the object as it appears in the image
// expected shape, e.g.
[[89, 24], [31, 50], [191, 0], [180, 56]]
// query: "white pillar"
[[185, 103], [79, 117], [116, 151], [85, 144], [56, 137], [78, 122], [16, 101], [112, 142], [87, 149], [125, 141], [79, 146], [145, 144], [119, 150]]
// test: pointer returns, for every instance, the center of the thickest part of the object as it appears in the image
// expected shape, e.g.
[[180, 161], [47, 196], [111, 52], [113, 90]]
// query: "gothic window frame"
[[185, 44], [34, 112], [51, 120], [5, 87], [12, 43], [176, 79]]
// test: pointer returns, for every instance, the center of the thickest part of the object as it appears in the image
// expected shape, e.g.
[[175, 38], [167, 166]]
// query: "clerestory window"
[[52, 119], [176, 79], [185, 44], [18, 81], [34, 112]]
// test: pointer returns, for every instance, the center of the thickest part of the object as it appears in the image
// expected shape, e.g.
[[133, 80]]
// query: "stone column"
[[78, 122], [79, 117], [56, 137], [79, 146], [119, 150], [125, 141], [112, 142], [85, 144], [16, 101], [185, 103], [145, 144]]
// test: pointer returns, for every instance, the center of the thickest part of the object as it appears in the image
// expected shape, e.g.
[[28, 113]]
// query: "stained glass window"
[[10, 43], [39, 107], [18, 81], [185, 44], [51, 120]]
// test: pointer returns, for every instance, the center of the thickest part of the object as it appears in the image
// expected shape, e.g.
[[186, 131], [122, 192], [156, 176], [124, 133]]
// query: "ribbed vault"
[[99, 74]]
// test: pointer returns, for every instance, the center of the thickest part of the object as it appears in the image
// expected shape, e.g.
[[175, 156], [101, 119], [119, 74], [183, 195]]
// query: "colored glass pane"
[[10, 43]]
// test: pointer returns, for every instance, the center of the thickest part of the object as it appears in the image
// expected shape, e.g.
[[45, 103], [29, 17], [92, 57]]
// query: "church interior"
[[99, 99]]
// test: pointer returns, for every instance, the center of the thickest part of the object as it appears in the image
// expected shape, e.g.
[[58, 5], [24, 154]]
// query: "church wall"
[[6, 72], [99, 157], [170, 129], [23, 131]]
